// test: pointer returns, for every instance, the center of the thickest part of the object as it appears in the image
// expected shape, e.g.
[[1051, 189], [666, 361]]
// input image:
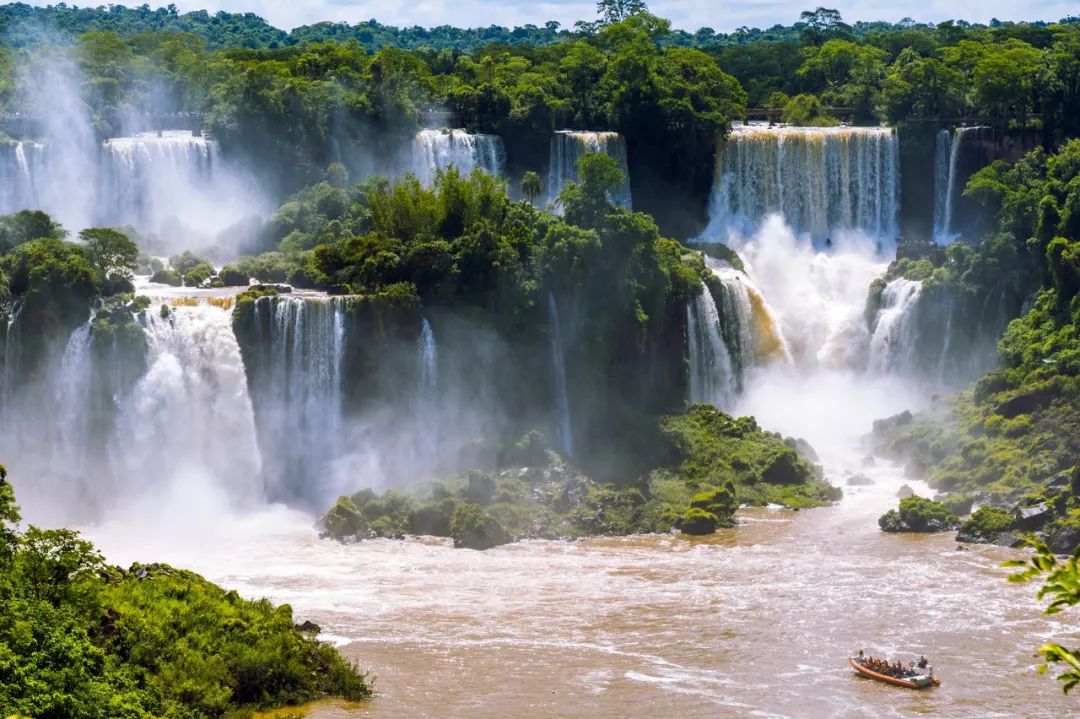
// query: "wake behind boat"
[[921, 679]]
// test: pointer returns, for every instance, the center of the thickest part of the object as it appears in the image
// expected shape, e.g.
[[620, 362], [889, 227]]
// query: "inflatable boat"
[[916, 681]]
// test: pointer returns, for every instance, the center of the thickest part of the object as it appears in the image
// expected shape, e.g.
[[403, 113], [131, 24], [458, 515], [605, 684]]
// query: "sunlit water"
[[755, 621]]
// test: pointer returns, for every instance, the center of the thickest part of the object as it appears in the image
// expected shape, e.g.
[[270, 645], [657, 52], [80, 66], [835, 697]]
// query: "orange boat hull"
[[895, 681]]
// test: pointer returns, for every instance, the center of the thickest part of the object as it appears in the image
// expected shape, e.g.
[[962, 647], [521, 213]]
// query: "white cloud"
[[686, 14]]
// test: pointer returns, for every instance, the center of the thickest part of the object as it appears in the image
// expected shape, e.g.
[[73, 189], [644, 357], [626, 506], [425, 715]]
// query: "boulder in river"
[[917, 514], [859, 480], [905, 492], [989, 525]]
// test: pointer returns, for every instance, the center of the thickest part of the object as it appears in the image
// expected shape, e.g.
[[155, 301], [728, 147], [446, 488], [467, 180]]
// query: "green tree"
[[530, 186], [111, 251], [618, 10]]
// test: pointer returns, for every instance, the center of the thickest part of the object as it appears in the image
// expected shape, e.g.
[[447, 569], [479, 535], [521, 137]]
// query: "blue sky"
[[721, 15]]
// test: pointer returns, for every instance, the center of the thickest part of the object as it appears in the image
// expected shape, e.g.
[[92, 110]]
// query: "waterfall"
[[73, 394], [948, 145], [822, 180], [300, 393], [944, 165], [20, 164], [189, 418], [429, 360], [892, 344], [149, 177], [562, 397], [435, 150], [9, 380], [749, 325], [712, 375], [569, 146]]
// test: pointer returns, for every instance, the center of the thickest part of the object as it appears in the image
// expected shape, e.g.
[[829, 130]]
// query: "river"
[[755, 621]]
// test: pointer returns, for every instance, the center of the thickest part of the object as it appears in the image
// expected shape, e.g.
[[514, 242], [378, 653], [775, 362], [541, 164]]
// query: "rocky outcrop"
[[917, 514]]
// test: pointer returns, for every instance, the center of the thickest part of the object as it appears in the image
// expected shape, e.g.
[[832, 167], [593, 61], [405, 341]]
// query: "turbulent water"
[[822, 180], [894, 334], [713, 378], [435, 150], [569, 146], [755, 621]]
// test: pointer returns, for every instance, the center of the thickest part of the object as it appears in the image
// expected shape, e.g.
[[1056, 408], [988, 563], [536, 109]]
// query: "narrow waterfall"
[[569, 146], [429, 360], [893, 342], [435, 150], [943, 172], [562, 396], [822, 180], [189, 418], [751, 329], [944, 232], [712, 374], [73, 393], [299, 395], [20, 164], [9, 379]]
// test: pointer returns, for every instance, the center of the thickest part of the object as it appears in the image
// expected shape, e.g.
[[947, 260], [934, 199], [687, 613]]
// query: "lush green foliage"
[[1062, 587], [918, 514], [80, 639]]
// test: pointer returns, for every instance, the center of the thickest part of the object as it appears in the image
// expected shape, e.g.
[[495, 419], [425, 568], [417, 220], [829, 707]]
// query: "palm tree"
[[530, 186]]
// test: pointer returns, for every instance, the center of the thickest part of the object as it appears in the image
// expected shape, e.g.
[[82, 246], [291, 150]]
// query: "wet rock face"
[[859, 480], [1025, 403]]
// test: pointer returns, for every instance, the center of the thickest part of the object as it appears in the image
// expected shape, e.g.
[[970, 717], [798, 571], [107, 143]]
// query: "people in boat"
[[923, 663]]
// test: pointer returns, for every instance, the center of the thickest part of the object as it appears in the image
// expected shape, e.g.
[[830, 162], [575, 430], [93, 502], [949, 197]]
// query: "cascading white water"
[[821, 180], [189, 418], [435, 150], [894, 332], [300, 394], [954, 142], [20, 164], [73, 394], [564, 427], [569, 146], [429, 360], [149, 177], [712, 374]]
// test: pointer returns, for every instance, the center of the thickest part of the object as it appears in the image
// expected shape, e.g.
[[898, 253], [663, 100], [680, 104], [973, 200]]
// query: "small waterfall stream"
[[712, 373], [893, 341], [569, 146], [563, 425]]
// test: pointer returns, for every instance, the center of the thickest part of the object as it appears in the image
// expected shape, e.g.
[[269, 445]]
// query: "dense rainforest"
[[296, 108]]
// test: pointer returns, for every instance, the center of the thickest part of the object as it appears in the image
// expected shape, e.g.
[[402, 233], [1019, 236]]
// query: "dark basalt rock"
[[1029, 519], [859, 480], [1025, 403], [889, 423], [905, 492], [989, 525]]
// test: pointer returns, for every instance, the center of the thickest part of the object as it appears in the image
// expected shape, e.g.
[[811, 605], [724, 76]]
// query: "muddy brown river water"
[[756, 621]]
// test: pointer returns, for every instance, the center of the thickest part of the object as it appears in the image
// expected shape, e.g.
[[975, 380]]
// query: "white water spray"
[[435, 150], [894, 337]]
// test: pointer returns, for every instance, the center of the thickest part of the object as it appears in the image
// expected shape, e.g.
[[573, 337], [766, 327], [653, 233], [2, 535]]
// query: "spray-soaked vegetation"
[[1014, 439], [82, 639], [713, 463]]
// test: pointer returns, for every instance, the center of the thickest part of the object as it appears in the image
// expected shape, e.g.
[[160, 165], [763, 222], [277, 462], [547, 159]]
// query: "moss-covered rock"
[[472, 528], [989, 525], [918, 514], [167, 277], [697, 521]]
